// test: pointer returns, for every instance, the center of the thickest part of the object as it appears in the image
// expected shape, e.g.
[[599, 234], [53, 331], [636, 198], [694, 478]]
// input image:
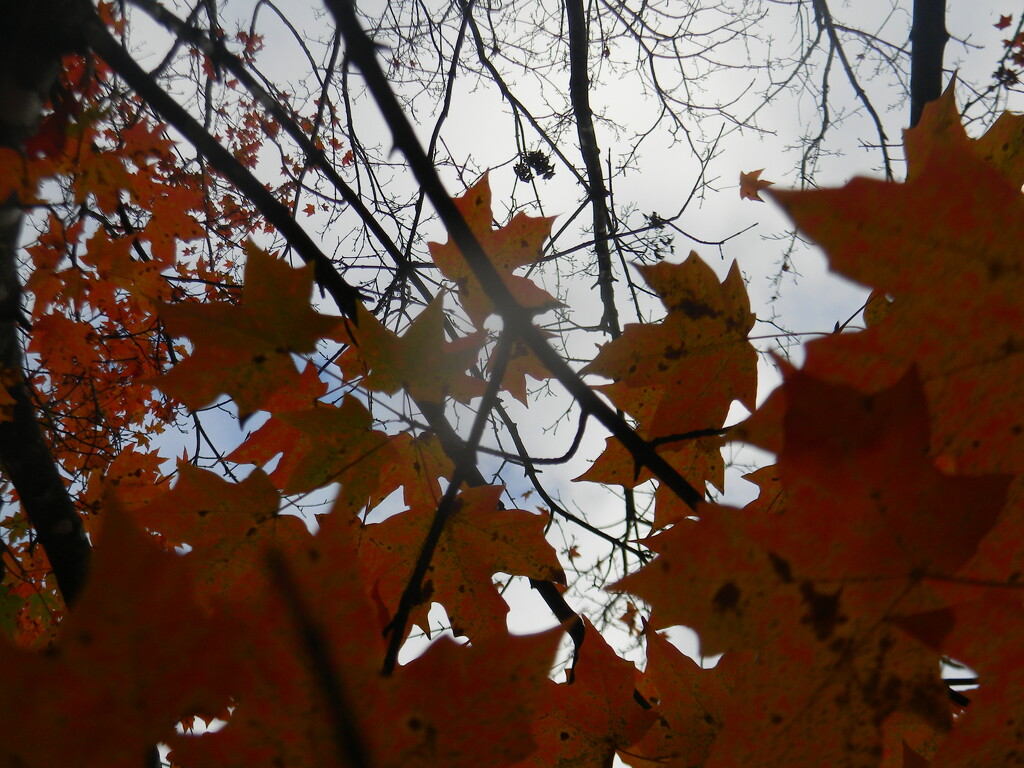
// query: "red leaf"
[[586, 722], [137, 651]]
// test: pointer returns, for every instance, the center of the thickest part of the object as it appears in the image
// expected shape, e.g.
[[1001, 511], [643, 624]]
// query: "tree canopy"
[[269, 502]]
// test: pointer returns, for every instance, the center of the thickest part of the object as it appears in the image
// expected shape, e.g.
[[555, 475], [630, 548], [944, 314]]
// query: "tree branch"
[[579, 94], [361, 52], [824, 17], [101, 41]]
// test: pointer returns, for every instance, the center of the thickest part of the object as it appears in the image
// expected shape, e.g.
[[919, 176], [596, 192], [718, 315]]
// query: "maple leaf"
[[117, 269], [522, 362], [1004, 22], [289, 709], [816, 712], [420, 462], [979, 632], [583, 724], [137, 649], [951, 263], [101, 174], [751, 185], [689, 702], [515, 245], [681, 375], [245, 350], [171, 222], [811, 571], [419, 361], [734, 597], [323, 444], [479, 540], [51, 137], [228, 526], [866, 458], [698, 460], [940, 132], [134, 473]]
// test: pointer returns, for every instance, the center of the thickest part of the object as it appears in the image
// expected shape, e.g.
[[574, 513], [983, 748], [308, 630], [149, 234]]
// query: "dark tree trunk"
[[928, 38], [33, 38]]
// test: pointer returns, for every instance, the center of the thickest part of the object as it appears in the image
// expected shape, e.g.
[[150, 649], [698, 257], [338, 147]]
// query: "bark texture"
[[33, 38], [928, 38]]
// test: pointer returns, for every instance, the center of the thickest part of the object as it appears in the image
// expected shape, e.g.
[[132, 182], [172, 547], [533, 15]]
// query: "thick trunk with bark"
[[928, 38], [33, 38]]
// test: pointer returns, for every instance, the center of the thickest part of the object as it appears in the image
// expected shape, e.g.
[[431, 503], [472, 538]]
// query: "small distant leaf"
[[751, 185]]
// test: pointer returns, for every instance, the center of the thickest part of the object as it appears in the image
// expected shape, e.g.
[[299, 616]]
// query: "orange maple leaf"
[[515, 245], [323, 444], [138, 604], [818, 571], [945, 246], [479, 540], [690, 702], [751, 185], [586, 722], [228, 526], [245, 349], [421, 461], [660, 370], [283, 717], [420, 361], [171, 222], [980, 632]]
